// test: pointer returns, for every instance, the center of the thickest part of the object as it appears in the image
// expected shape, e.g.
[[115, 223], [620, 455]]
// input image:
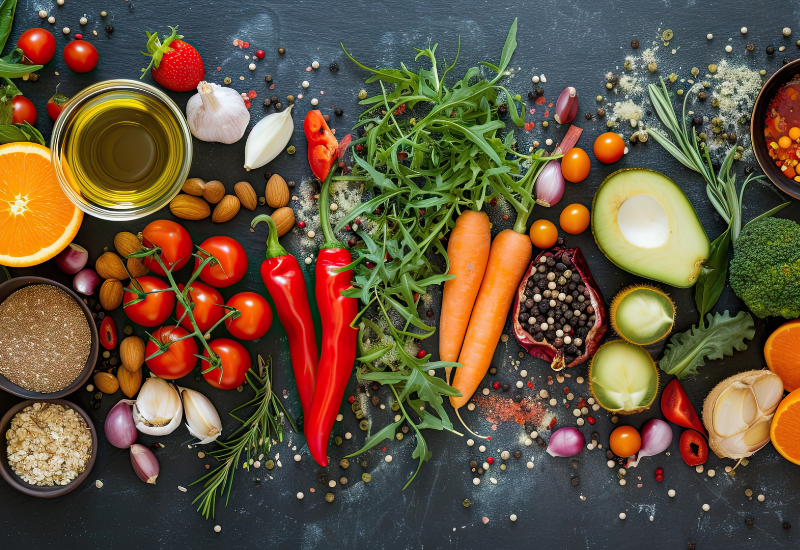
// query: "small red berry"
[[489, 438], [301, 224], [421, 354], [493, 202], [496, 385], [78, 36], [659, 471], [490, 459], [247, 103], [590, 420], [369, 265], [659, 478], [260, 54], [245, 45], [351, 399]]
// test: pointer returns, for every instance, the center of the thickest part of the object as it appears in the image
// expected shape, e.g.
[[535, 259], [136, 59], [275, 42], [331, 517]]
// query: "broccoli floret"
[[765, 270]]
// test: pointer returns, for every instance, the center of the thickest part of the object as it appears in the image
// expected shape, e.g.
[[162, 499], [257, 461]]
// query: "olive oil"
[[123, 149]]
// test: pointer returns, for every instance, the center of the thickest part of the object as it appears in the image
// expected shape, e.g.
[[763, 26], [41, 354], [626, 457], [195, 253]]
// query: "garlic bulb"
[[158, 409], [268, 138], [738, 412], [217, 114], [202, 419]]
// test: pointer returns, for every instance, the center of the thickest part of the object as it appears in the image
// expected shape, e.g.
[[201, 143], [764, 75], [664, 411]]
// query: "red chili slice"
[[693, 447], [108, 333]]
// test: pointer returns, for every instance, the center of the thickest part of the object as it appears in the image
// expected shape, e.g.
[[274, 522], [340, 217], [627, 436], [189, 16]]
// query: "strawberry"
[[174, 64]]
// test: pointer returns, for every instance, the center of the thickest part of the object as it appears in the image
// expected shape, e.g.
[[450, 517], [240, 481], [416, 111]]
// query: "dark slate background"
[[573, 43]]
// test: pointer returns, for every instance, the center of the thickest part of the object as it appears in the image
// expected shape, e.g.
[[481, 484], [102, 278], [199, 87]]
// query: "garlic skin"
[[158, 409], [217, 114], [268, 138], [738, 412], [202, 419]]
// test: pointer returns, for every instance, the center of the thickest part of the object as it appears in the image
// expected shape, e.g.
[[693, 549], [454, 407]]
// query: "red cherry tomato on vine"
[[174, 241], [179, 358], [24, 110], [232, 262], [625, 441], [574, 219], [154, 309], [609, 147], [235, 363], [255, 316], [207, 309], [80, 56], [575, 165], [55, 105], [37, 45], [543, 234]]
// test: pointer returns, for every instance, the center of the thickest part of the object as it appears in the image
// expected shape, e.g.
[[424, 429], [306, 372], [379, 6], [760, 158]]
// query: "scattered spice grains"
[[44, 338], [501, 409]]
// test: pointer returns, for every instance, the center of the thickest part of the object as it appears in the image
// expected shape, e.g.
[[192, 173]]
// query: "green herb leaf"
[[16, 70], [688, 351], [7, 9], [713, 274], [10, 133]]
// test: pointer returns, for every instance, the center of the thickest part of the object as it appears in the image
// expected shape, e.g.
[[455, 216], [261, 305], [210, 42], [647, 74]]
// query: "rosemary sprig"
[[253, 438], [420, 175], [683, 145]]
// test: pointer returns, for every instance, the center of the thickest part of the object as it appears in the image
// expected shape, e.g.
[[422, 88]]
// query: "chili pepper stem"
[[324, 213], [274, 248]]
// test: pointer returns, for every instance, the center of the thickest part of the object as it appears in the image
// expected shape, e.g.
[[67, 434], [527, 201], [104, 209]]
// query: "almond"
[[106, 382], [227, 208], [214, 191], [131, 353], [127, 243], [284, 220], [277, 192], [136, 268], [111, 294], [246, 194], [129, 382], [194, 186], [109, 266], [188, 207]]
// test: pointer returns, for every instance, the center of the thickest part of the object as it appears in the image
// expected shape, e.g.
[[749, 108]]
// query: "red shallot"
[[145, 463], [119, 427], [656, 438], [86, 281], [566, 442], [566, 106], [550, 184], [72, 259]]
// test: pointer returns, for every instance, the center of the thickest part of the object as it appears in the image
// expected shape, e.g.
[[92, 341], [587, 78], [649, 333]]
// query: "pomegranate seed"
[[659, 478], [489, 438], [421, 354], [369, 265], [351, 399], [590, 419], [301, 224], [78, 36], [493, 202], [490, 459], [260, 54], [659, 471], [496, 385]]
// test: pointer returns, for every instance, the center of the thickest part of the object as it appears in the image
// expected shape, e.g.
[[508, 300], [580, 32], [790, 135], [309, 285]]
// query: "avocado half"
[[644, 223], [642, 314]]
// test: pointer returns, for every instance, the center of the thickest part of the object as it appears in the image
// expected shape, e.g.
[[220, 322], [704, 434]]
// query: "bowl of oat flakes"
[[50, 447]]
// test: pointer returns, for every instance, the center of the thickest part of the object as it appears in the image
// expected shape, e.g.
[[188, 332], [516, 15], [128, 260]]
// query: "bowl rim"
[[51, 491], [17, 283], [780, 76], [76, 102]]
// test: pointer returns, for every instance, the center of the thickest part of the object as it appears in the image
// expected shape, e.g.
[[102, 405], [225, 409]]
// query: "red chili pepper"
[[676, 407], [693, 447], [322, 145], [108, 333], [286, 285], [338, 351]]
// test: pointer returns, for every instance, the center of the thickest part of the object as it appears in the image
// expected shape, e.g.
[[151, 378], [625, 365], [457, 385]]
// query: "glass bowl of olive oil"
[[121, 149]]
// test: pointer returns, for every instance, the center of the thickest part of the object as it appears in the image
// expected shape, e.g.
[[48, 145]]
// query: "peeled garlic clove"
[[768, 391], [158, 409], [217, 114], [746, 443], [735, 410], [202, 419], [268, 138]]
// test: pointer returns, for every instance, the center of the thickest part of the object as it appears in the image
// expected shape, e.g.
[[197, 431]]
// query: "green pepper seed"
[[337, 440], [366, 478], [227, 80], [269, 464], [362, 94], [329, 497], [712, 68], [364, 425], [344, 463], [466, 503], [667, 35]]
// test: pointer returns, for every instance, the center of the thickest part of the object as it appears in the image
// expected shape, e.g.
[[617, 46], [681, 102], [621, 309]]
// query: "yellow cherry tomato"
[[575, 165], [625, 441], [794, 132], [543, 234], [608, 147], [574, 219], [785, 142]]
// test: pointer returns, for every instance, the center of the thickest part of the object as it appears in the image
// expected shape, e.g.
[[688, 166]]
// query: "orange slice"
[[37, 220], [785, 429], [782, 353]]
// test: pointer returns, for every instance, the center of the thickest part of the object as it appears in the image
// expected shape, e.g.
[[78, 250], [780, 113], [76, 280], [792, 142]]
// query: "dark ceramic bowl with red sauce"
[[758, 123]]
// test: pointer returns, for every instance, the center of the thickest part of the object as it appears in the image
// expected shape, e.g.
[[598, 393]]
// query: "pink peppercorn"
[[301, 224], [496, 385], [590, 420], [421, 354], [78, 36], [490, 459], [351, 399], [260, 54]]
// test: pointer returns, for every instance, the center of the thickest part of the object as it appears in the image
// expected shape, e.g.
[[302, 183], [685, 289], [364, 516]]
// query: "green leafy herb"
[[712, 276], [689, 350], [429, 151], [7, 9], [252, 439]]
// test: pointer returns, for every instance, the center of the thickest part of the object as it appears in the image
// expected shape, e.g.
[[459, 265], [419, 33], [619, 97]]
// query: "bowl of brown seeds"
[[48, 339], [50, 447]]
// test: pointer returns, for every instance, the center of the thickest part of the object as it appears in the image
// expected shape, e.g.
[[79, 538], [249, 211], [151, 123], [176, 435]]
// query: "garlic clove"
[[268, 138], [202, 419], [768, 391], [735, 410], [158, 409], [217, 114]]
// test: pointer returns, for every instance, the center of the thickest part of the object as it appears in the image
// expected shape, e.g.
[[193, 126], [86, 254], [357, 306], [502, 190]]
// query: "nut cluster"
[[558, 309]]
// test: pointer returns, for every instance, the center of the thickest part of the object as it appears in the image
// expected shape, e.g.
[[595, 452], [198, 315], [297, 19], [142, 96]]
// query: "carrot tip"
[[467, 427]]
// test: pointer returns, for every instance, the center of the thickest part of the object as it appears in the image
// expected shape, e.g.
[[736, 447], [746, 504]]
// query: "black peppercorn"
[[787, 525], [278, 106], [404, 429], [338, 112], [334, 67], [770, 50], [732, 138], [109, 29], [701, 96], [610, 454], [787, 60], [635, 44], [267, 102], [281, 51], [505, 387], [375, 386], [268, 78], [560, 241], [473, 463], [480, 471], [748, 522], [518, 454], [601, 113], [531, 96], [697, 121], [750, 47], [588, 116], [517, 398], [574, 480], [428, 313], [539, 91], [502, 109], [691, 546]]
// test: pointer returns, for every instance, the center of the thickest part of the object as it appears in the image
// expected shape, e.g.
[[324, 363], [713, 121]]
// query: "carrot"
[[468, 251], [509, 257]]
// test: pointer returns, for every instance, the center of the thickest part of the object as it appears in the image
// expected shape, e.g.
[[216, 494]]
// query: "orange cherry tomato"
[[575, 165], [609, 147], [574, 219], [625, 441], [543, 234]]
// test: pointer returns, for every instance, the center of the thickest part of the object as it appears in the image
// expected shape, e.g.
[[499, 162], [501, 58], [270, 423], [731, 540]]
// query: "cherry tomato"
[[108, 333], [575, 165], [543, 234], [255, 316], [693, 447], [625, 441], [24, 110], [80, 56], [179, 358], [174, 241], [55, 105], [232, 262], [155, 308], [574, 219], [37, 45], [207, 308], [235, 363], [609, 147]]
